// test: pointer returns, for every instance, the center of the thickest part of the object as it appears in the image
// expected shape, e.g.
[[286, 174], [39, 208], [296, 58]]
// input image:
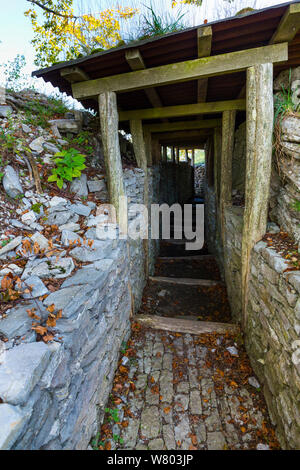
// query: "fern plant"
[[69, 164]]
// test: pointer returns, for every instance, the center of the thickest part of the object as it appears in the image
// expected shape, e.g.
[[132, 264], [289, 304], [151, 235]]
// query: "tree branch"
[[49, 10]]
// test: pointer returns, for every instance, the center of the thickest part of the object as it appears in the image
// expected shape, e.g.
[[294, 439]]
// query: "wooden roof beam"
[[163, 136], [288, 26], [204, 36], [136, 62], [74, 75], [182, 71], [183, 110], [184, 125]]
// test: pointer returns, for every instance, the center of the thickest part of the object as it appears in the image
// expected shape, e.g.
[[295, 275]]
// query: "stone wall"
[[272, 339], [53, 395], [199, 179]]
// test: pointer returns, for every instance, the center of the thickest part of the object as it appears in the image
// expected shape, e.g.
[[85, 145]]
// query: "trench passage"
[[181, 391]]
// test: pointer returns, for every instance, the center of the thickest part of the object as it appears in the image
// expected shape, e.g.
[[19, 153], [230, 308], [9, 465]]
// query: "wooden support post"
[[110, 137], [204, 50], [156, 151], [148, 146], [217, 162], [228, 128], [177, 156], [164, 154], [139, 147], [260, 111]]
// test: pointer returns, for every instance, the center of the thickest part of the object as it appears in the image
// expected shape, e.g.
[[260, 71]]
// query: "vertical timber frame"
[[260, 108], [109, 120], [228, 127], [140, 151]]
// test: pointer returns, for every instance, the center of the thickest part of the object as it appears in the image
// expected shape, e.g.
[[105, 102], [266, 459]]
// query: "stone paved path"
[[174, 391]]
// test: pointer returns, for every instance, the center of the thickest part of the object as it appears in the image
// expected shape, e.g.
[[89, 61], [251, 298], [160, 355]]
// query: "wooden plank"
[[260, 108], [183, 110], [110, 137], [163, 136], [288, 26], [183, 125], [177, 325], [228, 128], [136, 62], [182, 71], [204, 36], [185, 281], [74, 74], [173, 259]]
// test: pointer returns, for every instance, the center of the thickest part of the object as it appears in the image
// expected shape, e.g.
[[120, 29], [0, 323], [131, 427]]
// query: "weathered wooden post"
[[260, 112], [217, 144], [228, 127], [110, 137], [136, 129]]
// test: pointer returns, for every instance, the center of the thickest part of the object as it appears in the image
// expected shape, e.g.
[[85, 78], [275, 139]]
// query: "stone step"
[[171, 259], [186, 326], [185, 281]]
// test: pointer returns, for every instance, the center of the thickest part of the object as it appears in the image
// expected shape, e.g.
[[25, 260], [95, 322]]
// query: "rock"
[[37, 145], [62, 142], [21, 371], [290, 127], [5, 110], [79, 186], [71, 227], [100, 250], [52, 268], [272, 228], [51, 148], [29, 218], [254, 382], [10, 246], [58, 201], [38, 288], [66, 125], [96, 186], [12, 420], [233, 351], [81, 209], [68, 236], [61, 218], [11, 182], [285, 78], [17, 322], [55, 131], [11, 268], [42, 241], [262, 447], [26, 128]]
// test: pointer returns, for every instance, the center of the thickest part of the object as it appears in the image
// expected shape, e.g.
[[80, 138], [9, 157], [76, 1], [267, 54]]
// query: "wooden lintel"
[[193, 134], [204, 36], [183, 110], [182, 71], [136, 62], [184, 125], [74, 74], [288, 26]]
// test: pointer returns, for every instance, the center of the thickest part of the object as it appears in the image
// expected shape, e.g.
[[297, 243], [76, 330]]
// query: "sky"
[[16, 32]]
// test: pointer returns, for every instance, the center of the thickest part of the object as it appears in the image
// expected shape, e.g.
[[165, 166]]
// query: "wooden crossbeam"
[[182, 71], [204, 36], [74, 74], [288, 26], [136, 62], [183, 110], [183, 125], [163, 136]]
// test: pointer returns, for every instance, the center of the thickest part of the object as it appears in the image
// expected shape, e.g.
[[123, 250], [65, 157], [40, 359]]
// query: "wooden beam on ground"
[[182, 71], [183, 125], [185, 281], [110, 137], [228, 128], [186, 326], [288, 26], [173, 259], [183, 110], [74, 74], [204, 36], [139, 147], [136, 62], [260, 109]]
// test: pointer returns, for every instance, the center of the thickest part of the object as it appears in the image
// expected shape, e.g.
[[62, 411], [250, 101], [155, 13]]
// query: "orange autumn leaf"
[[167, 410], [6, 282], [125, 424], [41, 330], [51, 308]]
